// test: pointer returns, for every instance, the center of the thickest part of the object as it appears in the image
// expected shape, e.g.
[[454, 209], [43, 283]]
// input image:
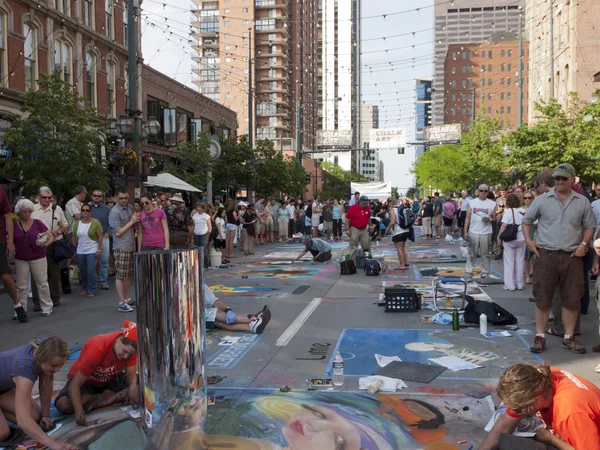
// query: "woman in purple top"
[[20, 368], [154, 231], [31, 238]]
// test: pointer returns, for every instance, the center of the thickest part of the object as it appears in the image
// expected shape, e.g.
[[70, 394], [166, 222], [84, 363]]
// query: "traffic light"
[[307, 178]]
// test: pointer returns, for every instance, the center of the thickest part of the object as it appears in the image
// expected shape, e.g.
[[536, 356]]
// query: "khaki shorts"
[[259, 228], [558, 269], [437, 220], [269, 225]]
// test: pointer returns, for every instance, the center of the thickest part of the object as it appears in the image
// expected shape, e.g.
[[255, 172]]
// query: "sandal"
[[83, 293], [552, 332], [91, 295]]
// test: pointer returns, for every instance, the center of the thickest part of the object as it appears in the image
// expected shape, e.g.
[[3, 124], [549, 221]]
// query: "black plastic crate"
[[402, 300]]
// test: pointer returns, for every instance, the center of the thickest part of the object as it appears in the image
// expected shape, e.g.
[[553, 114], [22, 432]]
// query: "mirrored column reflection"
[[171, 345]]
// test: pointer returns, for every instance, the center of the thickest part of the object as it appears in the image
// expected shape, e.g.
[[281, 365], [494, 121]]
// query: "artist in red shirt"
[[357, 226], [569, 405], [101, 374]]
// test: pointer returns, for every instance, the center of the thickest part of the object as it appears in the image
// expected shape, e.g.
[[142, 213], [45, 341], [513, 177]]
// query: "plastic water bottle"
[[338, 370], [483, 323]]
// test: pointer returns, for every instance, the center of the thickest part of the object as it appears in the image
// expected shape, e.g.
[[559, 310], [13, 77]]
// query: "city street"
[[316, 311]]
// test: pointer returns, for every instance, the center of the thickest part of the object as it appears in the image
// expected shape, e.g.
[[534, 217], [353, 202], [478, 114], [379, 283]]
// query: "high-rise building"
[[564, 52], [465, 22], [339, 91], [265, 48], [485, 76], [423, 111], [370, 161]]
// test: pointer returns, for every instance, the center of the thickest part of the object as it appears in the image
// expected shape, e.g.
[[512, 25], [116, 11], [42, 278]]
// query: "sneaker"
[[46, 313], [104, 287], [259, 324], [130, 302], [124, 307], [20, 314], [507, 289], [539, 345], [256, 314], [574, 345]]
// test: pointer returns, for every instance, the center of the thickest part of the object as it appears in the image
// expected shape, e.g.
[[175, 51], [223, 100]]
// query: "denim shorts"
[[231, 227]]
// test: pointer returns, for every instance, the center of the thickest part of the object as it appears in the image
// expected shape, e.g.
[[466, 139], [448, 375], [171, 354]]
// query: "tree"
[[232, 171], [336, 181], [193, 161], [443, 168], [413, 192], [395, 192], [483, 150], [560, 135], [55, 142]]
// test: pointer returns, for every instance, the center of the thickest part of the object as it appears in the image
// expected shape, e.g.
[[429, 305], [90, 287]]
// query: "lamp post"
[[127, 127], [258, 160]]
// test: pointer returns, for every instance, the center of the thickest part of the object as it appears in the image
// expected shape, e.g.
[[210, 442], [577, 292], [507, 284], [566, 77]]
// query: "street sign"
[[387, 138], [442, 134]]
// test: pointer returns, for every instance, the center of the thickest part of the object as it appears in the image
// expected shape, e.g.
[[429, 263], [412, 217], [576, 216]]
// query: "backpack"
[[406, 217], [495, 313], [347, 267], [373, 268], [309, 211]]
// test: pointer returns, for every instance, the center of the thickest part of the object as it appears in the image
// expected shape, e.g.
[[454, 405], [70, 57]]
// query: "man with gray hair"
[[54, 218], [481, 212], [73, 206], [318, 248]]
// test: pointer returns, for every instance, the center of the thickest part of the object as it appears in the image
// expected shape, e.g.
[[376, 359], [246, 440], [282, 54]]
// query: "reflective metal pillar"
[[171, 345]]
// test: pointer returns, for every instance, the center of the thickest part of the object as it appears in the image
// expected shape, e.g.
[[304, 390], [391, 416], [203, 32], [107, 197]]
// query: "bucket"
[[215, 259]]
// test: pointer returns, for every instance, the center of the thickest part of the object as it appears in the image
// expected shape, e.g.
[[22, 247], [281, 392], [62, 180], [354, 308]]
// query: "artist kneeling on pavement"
[[20, 368], [218, 315], [569, 405], [103, 375], [320, 249]]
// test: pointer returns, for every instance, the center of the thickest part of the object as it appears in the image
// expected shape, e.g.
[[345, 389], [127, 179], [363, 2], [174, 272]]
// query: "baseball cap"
[[363, 198], [483, 187], [130, 330], [564, 170]]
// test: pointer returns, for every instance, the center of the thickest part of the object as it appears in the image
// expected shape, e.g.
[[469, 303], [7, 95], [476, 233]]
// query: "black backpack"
[[406, 218], [495, 313], [347, 267], [372, 268], [309, 210]]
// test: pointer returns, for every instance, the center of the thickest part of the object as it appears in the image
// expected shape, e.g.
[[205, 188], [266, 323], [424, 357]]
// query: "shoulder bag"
[[510, 232], [62, 249]]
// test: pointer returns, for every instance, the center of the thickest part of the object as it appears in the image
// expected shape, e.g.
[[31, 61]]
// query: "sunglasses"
[[146, 203], [560, 178], [86, 210], [483, 190], [45, 198], [528, 198], [94, 195]]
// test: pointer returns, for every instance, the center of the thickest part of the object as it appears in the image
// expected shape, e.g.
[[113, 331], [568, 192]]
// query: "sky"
[[389, 66]]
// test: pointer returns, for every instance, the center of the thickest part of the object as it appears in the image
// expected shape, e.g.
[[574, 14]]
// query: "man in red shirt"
[[101, 374], [569, 405], [357, 226]]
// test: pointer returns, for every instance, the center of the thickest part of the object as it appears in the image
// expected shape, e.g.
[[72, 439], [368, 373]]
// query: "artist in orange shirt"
[[103, 375], [569, 405]]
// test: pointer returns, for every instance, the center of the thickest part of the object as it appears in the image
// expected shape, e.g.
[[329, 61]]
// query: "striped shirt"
[[18, 362]]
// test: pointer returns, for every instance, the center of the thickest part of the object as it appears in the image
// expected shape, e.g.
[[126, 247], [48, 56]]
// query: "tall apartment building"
[[423, 111], [339, 89], [485, 75], [465, 22], [370, 162], [279, 37], [564, 53]]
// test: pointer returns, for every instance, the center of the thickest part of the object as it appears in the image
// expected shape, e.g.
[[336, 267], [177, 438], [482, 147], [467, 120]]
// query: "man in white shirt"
[[478, 230], [354, 199]]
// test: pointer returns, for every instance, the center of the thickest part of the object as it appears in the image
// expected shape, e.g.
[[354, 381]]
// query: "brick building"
[[485, 75]]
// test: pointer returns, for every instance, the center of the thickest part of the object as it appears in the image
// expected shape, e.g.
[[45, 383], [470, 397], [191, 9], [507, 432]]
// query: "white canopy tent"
[[166, 180], [379, 191]]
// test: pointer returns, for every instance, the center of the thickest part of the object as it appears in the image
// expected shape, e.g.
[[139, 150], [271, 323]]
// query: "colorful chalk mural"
[[281, 273], [223, 289], [271, 420]]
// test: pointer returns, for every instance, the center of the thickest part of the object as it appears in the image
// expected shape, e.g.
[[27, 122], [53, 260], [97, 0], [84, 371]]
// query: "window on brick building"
[[3, 55], [88, 13], [126, 89], [108, 17], [125, 24], [111, 98], [63, 62], [30, 56], [90, 69], [62, 6]]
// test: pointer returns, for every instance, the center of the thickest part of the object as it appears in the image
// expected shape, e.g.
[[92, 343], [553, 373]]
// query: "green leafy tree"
[[279, 173], [336, 181], [395, 192], [483, 150], [55, 142], [193, 162], [231, 171], [413, 192], [444, 168]]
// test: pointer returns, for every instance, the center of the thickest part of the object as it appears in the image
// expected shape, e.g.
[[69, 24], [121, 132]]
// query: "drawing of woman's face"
[[321, 428]]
